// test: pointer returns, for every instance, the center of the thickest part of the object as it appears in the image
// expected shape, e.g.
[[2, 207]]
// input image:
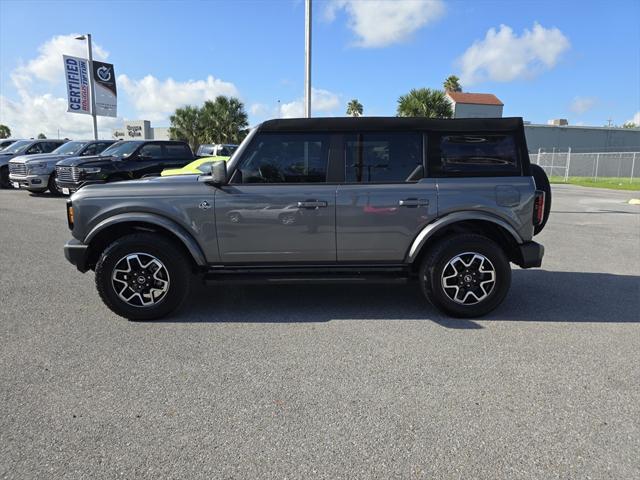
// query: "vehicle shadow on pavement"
[[536, 295]]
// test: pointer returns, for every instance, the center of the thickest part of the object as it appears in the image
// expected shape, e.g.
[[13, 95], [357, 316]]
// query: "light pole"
[[307, 58], [87, 37]]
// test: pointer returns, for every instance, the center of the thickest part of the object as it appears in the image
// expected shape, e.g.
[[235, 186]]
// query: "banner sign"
[[76, 71], [104, 86]]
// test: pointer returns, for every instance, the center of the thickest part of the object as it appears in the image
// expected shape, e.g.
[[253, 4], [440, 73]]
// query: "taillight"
[[70, 214], [538, 208]]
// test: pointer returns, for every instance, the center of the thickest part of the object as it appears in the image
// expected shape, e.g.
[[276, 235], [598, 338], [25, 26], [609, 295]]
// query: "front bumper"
[[530, 255], [74, 187], [30, 182], [77, 253]]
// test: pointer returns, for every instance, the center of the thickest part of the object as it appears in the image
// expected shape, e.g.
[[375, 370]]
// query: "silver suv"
[[446, 203]]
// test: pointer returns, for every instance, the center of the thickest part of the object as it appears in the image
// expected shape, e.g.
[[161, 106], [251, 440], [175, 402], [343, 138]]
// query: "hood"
[[39, 157], [180, 185], [93, 160]]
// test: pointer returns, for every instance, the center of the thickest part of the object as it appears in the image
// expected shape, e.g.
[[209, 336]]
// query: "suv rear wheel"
[[143, 276], [465, 275]]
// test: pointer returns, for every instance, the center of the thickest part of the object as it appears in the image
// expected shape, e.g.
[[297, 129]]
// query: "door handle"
[[414, 202], [312, 204]]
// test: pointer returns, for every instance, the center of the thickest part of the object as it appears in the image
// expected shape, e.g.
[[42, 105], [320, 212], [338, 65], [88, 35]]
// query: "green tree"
[[5, 132], [354, 108], [424, 102], [186, 126], [630, 125], [452, 84], [41, 136], [223, 120]]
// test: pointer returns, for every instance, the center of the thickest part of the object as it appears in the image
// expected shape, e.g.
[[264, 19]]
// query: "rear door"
[[148, 160], [384, 201], [278, 206], [177, 155]]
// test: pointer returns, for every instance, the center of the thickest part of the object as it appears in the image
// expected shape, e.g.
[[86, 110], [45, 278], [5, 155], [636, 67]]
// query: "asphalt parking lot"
[[326, 382]]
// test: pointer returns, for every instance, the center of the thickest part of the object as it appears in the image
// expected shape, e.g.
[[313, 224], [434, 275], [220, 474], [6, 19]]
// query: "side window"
[[177, 150], [286, 158], [151, 151], [35, 148], [99, 147], [477, 155], [383, 157], [90, 150]]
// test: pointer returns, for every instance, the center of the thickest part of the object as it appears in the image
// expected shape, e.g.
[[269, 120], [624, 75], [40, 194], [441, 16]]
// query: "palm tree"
[[424, 102], [5, 132], [185, 125], [354, 108], [452, 84], [42, 136], [224, 120]]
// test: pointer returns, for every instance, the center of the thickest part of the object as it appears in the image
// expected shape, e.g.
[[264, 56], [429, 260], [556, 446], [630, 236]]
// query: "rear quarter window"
[[469, 154], [177, 151]]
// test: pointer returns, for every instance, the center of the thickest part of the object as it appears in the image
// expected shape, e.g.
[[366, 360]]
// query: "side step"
[[306, 275]]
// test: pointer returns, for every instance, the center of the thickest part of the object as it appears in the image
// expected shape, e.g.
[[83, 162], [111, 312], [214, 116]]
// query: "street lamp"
[[87, 37]]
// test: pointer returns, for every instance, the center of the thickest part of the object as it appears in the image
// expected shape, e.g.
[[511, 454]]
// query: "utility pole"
[[307, 58], [87, 37]]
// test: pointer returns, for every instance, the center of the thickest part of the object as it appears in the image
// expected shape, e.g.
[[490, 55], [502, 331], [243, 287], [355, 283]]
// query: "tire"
[[163, 259], [4, 177], [454, 253], [52, 186], [542, 183]]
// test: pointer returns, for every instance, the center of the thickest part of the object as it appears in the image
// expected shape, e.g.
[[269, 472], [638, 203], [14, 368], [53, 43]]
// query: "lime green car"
[[197, 167]]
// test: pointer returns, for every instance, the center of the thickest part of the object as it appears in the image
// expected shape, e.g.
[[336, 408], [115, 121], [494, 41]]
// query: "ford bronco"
[[446, 203]]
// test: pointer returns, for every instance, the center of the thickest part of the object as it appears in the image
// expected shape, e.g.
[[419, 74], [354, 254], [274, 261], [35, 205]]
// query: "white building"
[[475, 105], [140, 130]]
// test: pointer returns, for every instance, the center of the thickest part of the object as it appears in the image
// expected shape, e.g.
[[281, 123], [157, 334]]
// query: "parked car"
[[23, 147], [37, 173], [216, 149], [446, 203], [122, 161], [5, 142], [197, 167]]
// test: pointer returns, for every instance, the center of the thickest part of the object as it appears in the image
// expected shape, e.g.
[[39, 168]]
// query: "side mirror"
[[218, 175]]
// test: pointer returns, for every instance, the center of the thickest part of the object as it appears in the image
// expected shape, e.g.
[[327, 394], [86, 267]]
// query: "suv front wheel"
[[465, 275], [143, 276]]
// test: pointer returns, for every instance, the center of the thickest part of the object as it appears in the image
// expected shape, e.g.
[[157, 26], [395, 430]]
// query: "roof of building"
[[389, 123], [475, 98]]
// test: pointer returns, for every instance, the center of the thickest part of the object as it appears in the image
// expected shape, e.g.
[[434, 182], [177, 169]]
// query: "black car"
[[122, 161]]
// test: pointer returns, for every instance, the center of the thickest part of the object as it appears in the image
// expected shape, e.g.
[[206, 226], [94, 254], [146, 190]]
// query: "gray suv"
[[446, 203]]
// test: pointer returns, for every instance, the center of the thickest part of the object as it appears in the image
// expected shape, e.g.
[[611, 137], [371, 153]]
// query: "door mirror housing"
[[218, 175]]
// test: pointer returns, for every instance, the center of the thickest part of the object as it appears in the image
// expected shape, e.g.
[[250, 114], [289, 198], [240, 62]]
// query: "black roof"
[[390, 123]]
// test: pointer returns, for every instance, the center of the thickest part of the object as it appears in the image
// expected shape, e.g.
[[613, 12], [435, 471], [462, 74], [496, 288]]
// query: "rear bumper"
[[530, 255], [76, 253]]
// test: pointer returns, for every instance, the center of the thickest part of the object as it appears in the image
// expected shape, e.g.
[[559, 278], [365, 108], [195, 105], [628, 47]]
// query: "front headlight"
[[36, 168], [90, 170]]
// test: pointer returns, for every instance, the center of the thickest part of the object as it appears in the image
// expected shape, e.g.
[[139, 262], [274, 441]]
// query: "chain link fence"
[[594, 166]]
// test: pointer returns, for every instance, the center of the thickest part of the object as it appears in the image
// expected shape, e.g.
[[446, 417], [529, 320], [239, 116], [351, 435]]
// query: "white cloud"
[[635, 119], [258, 109], [378, 23], [322, 101], [504, 56], [582, 104], [154, 99]]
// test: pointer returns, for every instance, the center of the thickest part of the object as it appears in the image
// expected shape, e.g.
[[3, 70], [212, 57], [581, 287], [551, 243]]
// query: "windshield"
[[122, 149], [17, 147], [69, 148]]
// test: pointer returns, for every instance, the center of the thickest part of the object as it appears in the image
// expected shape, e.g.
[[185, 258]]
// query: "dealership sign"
[[104, 83], [76, 71]]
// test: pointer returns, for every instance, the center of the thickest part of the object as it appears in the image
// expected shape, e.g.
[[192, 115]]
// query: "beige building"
[[475, 105], [140, 130]]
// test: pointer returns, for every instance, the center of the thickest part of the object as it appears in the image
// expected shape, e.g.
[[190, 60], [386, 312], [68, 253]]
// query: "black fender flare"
[[180, 232], [431, 229]]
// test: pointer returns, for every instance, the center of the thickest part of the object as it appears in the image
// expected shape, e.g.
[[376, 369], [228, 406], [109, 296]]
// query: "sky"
[[544, 59]]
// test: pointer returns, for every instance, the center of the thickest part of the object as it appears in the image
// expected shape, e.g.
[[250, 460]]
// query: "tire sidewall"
[[432, 268], [173, 260], [53, 186]]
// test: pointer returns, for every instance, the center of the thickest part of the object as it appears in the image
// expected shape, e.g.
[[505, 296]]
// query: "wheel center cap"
[[141, 279], [468, 278]]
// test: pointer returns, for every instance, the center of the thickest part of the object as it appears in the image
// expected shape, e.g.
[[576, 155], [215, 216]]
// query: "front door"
[[278, 207], [384, 202]]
